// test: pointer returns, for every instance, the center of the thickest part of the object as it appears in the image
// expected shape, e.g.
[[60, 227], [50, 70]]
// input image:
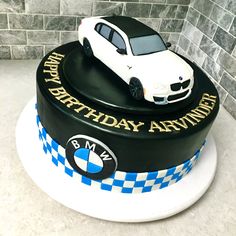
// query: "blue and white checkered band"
[[119, 181]]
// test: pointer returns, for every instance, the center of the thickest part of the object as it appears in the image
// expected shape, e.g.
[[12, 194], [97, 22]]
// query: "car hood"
[[163, 67]]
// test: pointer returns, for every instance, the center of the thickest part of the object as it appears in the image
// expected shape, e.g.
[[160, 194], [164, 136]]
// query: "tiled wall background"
[[209, 37], [31, 28], [202, 30]]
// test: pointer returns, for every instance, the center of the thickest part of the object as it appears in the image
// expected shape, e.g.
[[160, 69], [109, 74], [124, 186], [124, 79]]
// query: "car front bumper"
[[167, 98]]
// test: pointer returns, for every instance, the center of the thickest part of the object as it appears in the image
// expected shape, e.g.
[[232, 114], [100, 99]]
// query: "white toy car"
[[138, 55]]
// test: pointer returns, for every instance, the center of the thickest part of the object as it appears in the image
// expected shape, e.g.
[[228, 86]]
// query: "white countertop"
[[27, 210]]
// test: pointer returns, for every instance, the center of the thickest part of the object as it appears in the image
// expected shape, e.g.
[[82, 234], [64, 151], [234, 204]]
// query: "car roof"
[[131, 27]]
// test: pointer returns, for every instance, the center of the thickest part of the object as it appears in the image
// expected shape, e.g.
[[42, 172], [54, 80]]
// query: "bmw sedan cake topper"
[[139, 56], [90, 157]]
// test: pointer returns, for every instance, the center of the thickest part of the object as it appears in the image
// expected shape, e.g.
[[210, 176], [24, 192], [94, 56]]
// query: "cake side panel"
[[148, 143]]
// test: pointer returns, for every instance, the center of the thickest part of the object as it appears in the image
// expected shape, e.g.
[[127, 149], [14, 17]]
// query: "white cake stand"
[[102, 204]]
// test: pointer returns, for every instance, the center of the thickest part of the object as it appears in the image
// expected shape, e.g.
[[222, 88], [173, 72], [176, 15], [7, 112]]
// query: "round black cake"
[[90, 124]]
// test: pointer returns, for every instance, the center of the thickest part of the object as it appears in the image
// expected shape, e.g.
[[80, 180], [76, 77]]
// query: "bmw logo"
[[180, 78], [90, 157]]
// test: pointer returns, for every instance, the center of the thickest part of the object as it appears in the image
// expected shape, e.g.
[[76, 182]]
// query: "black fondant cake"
[[93, 128]]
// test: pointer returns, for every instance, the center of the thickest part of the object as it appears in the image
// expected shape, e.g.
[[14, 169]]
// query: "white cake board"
[[103, 204]]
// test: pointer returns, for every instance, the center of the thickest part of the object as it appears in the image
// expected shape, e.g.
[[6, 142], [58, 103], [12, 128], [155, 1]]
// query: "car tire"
[[87, 48], [136, 89]]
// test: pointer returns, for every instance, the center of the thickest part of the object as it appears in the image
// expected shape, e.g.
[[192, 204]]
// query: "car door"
[[119, 60], [107, 43], [103, 48]]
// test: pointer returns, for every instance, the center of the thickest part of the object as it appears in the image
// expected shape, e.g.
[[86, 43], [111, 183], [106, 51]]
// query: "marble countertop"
[[27, 210]]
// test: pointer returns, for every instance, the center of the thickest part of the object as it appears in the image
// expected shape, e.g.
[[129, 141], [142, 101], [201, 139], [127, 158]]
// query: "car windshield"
[[147, 44]]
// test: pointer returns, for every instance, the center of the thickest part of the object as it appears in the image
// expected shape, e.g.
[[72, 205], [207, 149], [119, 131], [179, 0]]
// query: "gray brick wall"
[[209, 38], [202, 30], [31, 28]]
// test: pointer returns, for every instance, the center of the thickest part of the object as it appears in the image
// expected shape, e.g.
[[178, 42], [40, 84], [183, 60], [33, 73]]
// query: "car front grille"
[[177, 96], [178, 86], [158, 99]]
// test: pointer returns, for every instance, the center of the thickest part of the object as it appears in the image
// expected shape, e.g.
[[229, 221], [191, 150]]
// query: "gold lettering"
[[201, 111], [169, 124], [53, 73], [209, 97], [109, 121], [123, 123], [208, 101], [71, 101], [57, 56], [207, 110], [206, 104], [92, 113], [57, 91], [195, 115], [81, 108], [180, 123], [204, 108], [189, 120], [51, 66], [50, 61], [135, 127], [154, 126], [62, 96], [54, 80]]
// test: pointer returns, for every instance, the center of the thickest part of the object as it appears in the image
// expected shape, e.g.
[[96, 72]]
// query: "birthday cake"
[[95, 132]]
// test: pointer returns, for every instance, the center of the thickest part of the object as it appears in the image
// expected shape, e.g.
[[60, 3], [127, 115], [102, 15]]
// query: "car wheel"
[[136, 89], [87, 48]]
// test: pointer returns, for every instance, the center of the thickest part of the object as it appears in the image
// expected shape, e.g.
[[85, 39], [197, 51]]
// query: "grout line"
[[200, 12], [44, 23], [231, 25], [208, 17], [75, 16], [221, 76], [123, 9], [198, 48], [150, 13], [211, 9], [209, 38], [215, 3], [92, 8], [218, 26], [215, 60], [27, 40], [41, 14], [76, 24], [227, 94], [60, 37], [11, 52], [8, 23], [22, 45], [176, 12], [44, 50], [42, 30]]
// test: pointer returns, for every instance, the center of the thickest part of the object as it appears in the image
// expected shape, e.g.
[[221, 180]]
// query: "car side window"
[[98, 27], [105, 31], [118, 41]]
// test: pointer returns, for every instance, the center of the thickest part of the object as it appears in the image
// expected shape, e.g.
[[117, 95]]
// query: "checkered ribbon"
[[119, 181]]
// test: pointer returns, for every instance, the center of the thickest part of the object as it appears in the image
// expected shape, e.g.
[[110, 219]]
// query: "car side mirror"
[[121, 51], [168, 44]]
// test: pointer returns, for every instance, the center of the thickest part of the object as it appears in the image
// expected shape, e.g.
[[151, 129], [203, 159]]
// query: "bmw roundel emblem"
[[180, 78], [90, 157]]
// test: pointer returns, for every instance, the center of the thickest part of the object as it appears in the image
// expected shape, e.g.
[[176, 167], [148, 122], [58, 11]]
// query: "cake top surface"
[[131, 27]]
